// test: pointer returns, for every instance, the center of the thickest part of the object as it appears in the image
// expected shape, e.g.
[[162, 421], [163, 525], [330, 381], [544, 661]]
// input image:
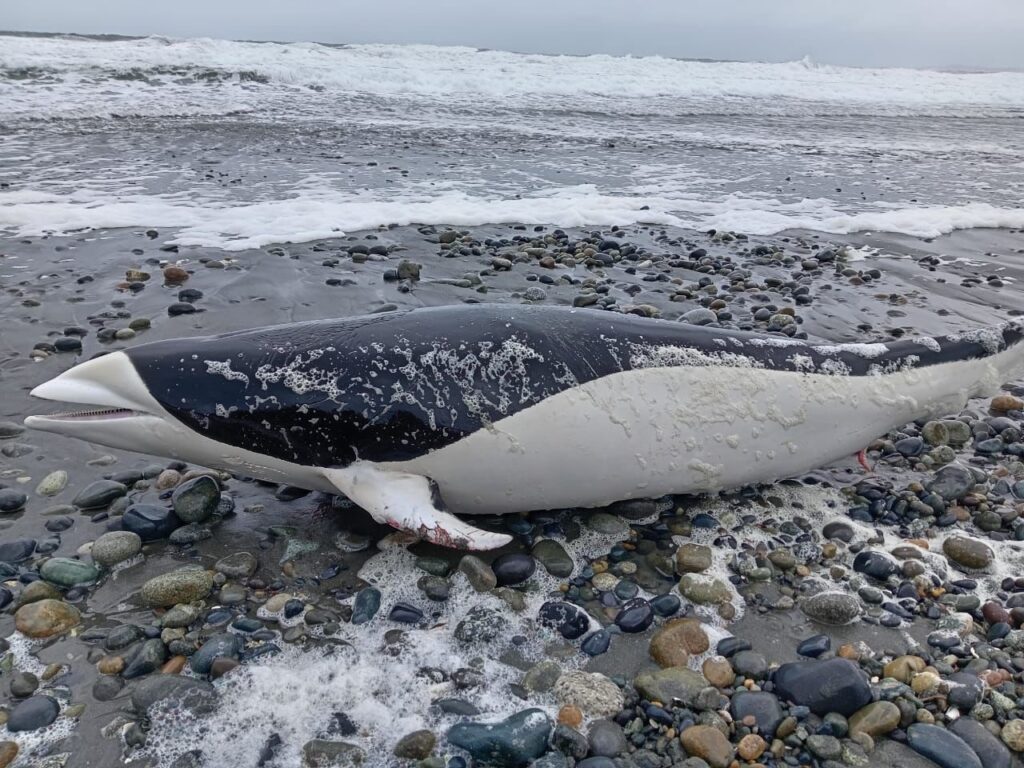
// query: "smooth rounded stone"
[[479, 573], [876, 719], [196, 499], [951, 482], [596, 643], [941, 746], [813, 647], [196, 696], [122, 636], [52, 484], [877, 565], [606, 738], [6, 597], [965, 690], [232, 594], [115, 547], [238, 565], [33, 713], [763, 706], [542, 676], [835, 609], [17, 550], [148, 658], [989, 749], [23, 684], [512, 568], [9, 429], [480, 625], [99, 494], [511, 743], [405, 613], [666, 605], [593, 693], [674, 642], [434, 587], [693, 558], [1013, 734], [671, 685], [968, 553], [750, 664], [224, 645], [704, 590], [635, 616], [183, 586], [569, 742], [552, 555], [366, 605], [839, 530], [11, 501], [935, 433], [833, 685], [708, 743], [416, 745], [323, 753], [699, 316], [718, 671], [571, 622], [189, 533], [46, 618], [150, 522], [67, 572], [606, 523]]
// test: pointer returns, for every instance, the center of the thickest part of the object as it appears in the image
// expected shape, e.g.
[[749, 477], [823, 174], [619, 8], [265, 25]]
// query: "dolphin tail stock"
[[410, 503]]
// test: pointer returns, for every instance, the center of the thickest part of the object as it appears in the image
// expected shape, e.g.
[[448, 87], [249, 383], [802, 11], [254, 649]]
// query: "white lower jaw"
[[135, 432]]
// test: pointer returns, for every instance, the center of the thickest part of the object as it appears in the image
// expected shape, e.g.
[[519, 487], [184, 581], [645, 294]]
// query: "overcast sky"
[[979, 33]]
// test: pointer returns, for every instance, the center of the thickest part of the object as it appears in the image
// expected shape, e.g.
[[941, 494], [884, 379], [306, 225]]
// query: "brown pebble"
[[221, 666], [173, 665], [718, 671], [751, 747], [110, 665], [8, 751], [570, 715], [175, 274], [1004, 402]]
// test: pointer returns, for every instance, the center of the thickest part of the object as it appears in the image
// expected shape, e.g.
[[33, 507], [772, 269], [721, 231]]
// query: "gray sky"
[[974, 33]]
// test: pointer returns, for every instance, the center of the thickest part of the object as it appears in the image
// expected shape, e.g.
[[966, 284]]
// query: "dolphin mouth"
[[103, 390]]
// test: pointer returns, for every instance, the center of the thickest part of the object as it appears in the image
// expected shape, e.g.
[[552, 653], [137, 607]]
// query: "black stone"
[[406, 613], [33, 713], [150, 522], [635, 616], [17, 550], [875, 564], [597, 643], [762, 706], [570, 621], [942, 747], [834, 685], [813, 647], [513, 568], [990, 750]]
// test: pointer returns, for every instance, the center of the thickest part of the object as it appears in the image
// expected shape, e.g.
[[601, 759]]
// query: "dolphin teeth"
[[102, 413]]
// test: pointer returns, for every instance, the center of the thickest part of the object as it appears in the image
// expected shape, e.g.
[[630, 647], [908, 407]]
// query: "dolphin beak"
[[109, 385]]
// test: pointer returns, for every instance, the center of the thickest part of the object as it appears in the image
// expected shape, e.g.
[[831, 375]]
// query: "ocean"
[[243, 144]]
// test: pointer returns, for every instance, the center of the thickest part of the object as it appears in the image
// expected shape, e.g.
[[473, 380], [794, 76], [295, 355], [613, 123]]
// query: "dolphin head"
[[116, 409]]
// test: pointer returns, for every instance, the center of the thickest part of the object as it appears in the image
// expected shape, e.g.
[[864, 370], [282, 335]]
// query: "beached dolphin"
[[502, 408]]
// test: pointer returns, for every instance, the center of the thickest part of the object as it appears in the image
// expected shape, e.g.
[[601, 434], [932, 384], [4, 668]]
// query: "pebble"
[[709, 744], [1013, 734], [183, 586], [693, 558], [8, 753], [941, 746], [833, 608], [46, 618], [67, 572], [635, 616], [479, 573], [33, 713], [238, 565], [99, 495], [833, 685], [552, 555], [876, 719], [606, 738], [366, 605], [674, 642], [11, 501], [222, 645], [569, 620], [969, 553], [512, 568], [951, 482], [16, 550], [416, 745], [510, 743], [150, 522], [760, 707], [196, 696], [670, 685], [988, 748], [323, 753], [591, 692], [52, 484], [195, 500]]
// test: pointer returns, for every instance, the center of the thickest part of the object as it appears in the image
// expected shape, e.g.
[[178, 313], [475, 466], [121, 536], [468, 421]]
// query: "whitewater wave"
[[78, 77], [314, 215]]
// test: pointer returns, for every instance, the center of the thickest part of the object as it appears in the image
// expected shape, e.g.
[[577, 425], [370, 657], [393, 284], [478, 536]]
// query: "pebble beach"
[[161, 615]]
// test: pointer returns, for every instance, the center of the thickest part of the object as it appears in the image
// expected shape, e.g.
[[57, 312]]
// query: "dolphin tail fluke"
[[410, 503]]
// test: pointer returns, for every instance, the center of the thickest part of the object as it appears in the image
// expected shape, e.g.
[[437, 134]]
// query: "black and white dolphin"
[[502, 408]]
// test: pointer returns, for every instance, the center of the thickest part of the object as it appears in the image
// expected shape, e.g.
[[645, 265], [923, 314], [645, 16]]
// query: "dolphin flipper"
[[410, 503]]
